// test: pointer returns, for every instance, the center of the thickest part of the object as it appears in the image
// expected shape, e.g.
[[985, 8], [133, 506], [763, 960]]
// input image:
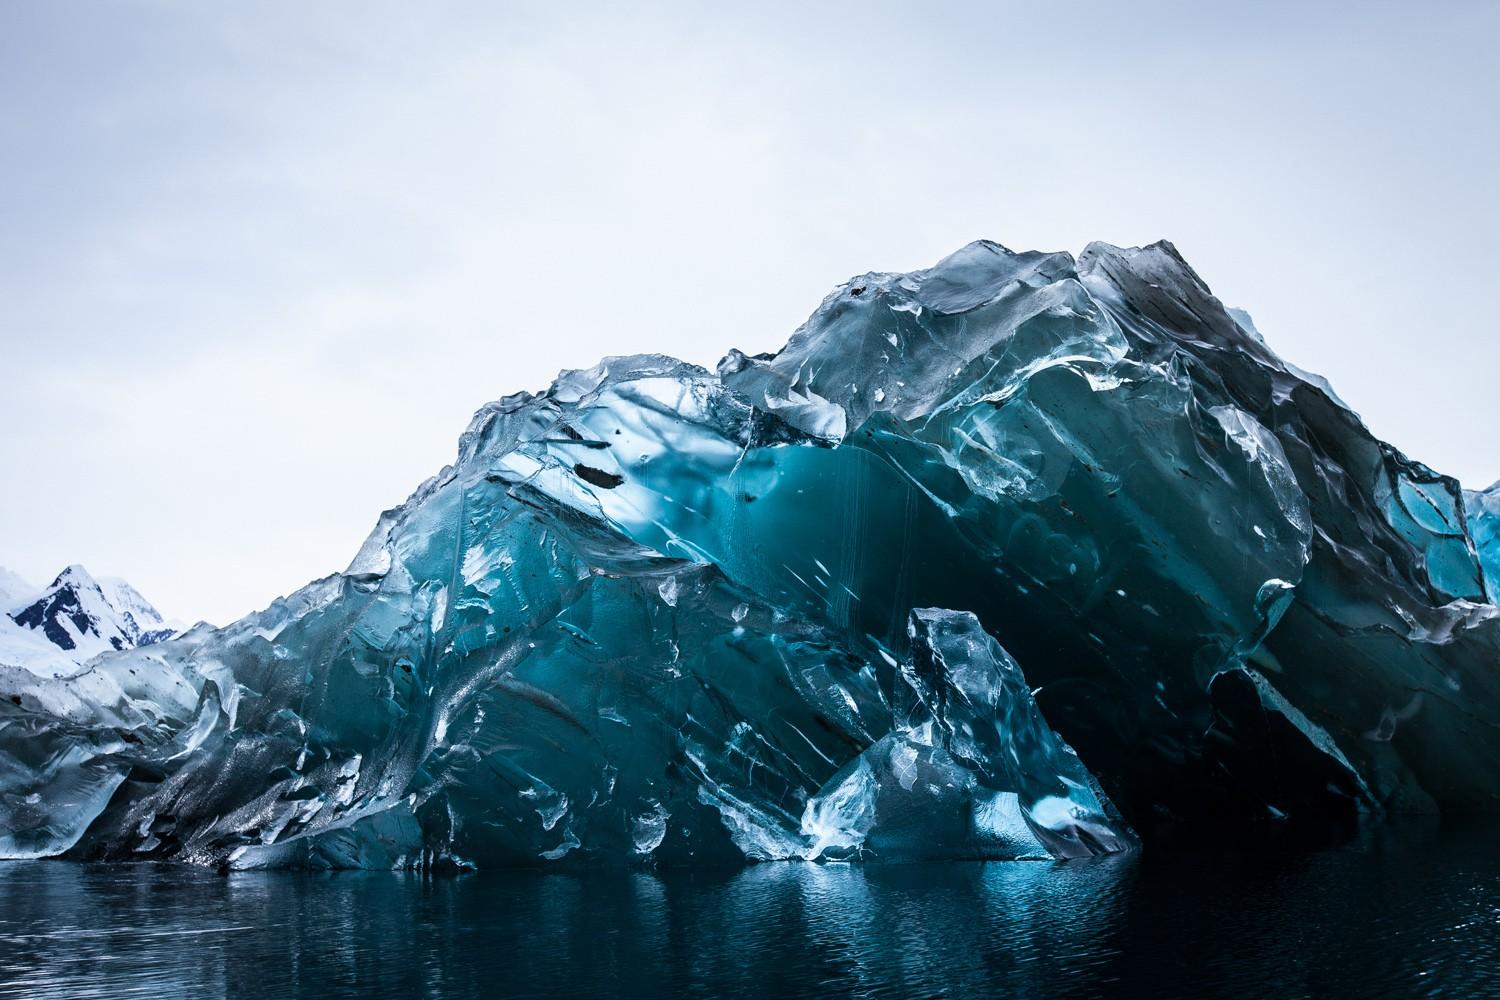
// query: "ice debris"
[[970, 769]]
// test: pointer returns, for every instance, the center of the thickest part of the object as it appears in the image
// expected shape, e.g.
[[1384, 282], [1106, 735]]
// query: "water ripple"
[[1393, 914]]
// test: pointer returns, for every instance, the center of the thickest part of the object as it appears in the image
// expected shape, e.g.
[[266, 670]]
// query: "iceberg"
[[1022, 555]]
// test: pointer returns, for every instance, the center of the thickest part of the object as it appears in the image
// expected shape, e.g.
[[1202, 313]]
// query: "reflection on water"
[[1393, 914]]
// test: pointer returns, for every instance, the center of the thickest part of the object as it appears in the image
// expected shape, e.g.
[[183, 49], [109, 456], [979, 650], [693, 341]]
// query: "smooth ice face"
[[658, 613]]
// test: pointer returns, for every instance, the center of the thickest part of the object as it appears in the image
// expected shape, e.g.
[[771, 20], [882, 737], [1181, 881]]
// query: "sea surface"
[[1403, 912]]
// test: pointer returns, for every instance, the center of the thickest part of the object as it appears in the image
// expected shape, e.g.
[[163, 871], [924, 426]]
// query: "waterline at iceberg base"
[[1019, 556]]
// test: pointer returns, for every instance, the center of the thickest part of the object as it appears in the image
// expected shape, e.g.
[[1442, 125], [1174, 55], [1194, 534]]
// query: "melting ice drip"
[[660, 612]]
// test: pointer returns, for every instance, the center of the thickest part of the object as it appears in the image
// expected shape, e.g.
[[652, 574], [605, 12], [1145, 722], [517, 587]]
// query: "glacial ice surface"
[[1003, 558]]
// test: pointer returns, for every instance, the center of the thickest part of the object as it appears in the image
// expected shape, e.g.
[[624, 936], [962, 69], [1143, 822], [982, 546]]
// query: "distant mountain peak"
[[84, 616], [74, 572]]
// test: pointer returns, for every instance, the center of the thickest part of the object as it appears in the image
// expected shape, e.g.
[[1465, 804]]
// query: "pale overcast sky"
[[259, 263]]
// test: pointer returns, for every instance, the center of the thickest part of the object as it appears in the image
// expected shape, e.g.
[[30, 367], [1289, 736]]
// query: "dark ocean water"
[[1391, 913]]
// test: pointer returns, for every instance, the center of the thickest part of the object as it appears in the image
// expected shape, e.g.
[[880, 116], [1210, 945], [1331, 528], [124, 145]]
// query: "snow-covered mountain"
[[73, 619]]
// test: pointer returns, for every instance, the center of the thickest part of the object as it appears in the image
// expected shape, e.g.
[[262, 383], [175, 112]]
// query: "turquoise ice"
[[1016, 556]]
